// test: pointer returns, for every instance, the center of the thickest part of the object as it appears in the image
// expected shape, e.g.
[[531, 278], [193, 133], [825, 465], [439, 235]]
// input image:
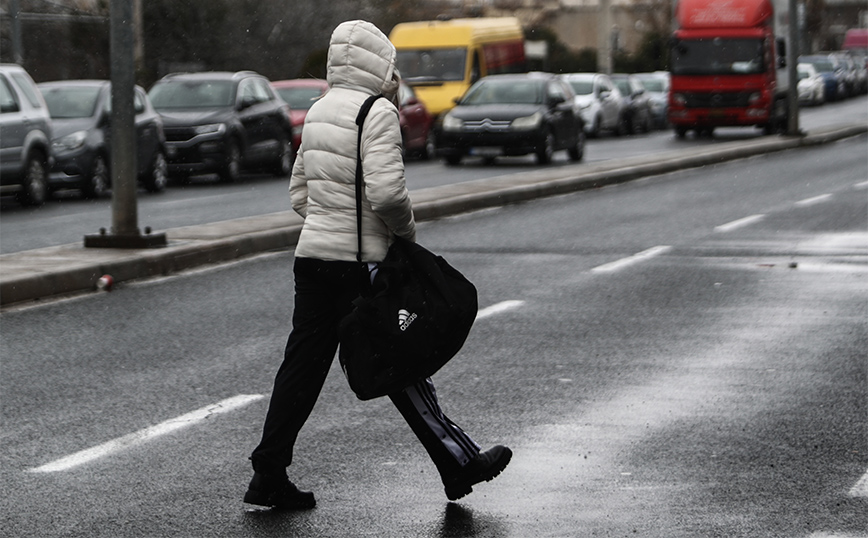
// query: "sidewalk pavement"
[[70, 269]]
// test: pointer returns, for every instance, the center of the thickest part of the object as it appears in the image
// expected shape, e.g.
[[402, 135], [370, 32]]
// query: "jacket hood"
[[362, 58]]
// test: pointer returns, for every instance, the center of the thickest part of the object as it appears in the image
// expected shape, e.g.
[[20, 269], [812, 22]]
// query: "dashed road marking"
[[498, 308], [861, 185], [630, 260], [740, 223], [142, 436], [813, 200], [861, 487]]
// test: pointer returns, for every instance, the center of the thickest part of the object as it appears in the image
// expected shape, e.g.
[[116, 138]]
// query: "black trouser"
[[324, 291]]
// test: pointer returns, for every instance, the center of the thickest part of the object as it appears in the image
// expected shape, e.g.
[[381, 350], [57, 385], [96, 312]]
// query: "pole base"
[[106, 240]]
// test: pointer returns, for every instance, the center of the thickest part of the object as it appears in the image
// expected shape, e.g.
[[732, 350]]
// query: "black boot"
[[482, 468], [277, 492]]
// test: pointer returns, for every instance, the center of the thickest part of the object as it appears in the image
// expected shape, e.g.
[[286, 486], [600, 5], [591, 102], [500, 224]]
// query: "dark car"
[[416, 124], [514, 114], [222, 122], [25, 137], [637, 112], [300, 94], [81, 113]]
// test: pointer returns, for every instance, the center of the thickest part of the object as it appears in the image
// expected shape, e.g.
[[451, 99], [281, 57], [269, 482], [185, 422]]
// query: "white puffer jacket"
[[361, 63]]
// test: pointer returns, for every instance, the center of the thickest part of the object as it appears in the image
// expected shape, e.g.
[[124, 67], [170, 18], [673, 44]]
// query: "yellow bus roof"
[[455, 32]]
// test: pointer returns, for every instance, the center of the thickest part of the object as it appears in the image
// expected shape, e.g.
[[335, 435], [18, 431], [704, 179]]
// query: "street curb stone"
[[67, 269]]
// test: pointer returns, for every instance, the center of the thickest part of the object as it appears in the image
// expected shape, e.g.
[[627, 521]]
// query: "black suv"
[[25, 137], [223, 122]]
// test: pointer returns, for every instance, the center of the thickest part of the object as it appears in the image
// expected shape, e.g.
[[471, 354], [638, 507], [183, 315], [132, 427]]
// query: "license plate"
[[486, 152]]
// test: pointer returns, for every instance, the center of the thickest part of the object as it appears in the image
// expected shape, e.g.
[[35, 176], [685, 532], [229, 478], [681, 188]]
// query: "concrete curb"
[[66, 269]]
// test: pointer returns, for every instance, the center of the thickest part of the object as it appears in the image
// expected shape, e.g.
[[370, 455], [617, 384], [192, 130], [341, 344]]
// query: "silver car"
[[600, 103], [25, 137]]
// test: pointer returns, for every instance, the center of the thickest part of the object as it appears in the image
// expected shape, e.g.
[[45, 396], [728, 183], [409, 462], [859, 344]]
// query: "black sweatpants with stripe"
[[324, 291]]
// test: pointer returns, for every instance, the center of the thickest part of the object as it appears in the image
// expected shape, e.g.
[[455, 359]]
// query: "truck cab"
[[727, 67]]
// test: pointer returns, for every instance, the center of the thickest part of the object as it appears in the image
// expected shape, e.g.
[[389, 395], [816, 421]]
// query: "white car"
[[812, 89], [598, 101]]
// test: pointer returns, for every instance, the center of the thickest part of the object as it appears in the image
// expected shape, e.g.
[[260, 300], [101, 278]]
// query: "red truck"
[[727, 66]]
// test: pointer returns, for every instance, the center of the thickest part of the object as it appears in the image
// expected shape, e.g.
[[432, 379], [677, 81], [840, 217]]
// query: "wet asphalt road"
[[714, 385]]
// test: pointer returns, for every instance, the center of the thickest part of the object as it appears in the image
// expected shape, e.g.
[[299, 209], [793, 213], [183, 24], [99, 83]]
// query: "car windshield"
[[624, 87], [516, 92], [434, 65], [65, 103], [655, 85], [823, 66], [191, 94], [718, 56], [582, 87], [299, 98]]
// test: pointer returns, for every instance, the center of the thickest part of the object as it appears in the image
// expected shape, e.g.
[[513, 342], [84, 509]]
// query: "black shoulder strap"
[[360, 121]]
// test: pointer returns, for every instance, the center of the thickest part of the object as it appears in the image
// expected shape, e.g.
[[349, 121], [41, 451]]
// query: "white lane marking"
[[142, 436], [630, 260], [861, 185], [814, 200], [861, 487], [498, 308], [728, 227]]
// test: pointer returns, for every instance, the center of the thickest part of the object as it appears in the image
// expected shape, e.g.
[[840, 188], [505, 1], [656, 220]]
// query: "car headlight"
[[70, 142], [212, 128], [451, 123], [527, 123]]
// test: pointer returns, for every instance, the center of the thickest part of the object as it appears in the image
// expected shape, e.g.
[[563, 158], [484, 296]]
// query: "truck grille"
[[716, 100]]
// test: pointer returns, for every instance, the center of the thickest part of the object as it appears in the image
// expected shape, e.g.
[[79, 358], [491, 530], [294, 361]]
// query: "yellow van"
[[441, 59]]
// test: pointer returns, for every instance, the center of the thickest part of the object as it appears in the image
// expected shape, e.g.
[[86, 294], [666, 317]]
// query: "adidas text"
[[405, 318]]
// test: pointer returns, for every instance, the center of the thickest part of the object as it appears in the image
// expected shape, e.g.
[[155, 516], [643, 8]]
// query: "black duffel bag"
[[413, 320], [416, 318]]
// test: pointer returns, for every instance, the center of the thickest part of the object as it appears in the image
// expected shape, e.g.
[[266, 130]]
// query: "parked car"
[[657, 88], [416, 124], [637, 104], [300, 94], [513, 114], [835, 87], [25, 137], [600, 102], [81, 113], [812, 89], [223, 122]]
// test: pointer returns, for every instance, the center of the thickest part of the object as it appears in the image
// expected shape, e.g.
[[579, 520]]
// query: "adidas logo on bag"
[[405, 318]]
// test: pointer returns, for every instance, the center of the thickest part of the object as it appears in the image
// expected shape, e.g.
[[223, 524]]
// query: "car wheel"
[[595, 128], [544, 154], [283, 166], [453, 160], [430, 150], [577, 152], [97, 184], [680, 132], [232, 166], [34, 188], [157, 177]]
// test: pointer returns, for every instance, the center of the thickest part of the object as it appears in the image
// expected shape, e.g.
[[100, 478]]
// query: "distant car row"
[[56, 135], [540, 113], [831, 77]]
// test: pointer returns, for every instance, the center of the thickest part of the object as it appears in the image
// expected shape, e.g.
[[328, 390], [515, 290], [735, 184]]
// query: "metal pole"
[[124, 169], [17, 54], [792, 70], [604, 38], [123, 150]]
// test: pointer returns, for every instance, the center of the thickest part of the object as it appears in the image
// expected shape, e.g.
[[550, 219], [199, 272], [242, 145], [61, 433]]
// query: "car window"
[[555, 91], [299, 98], [505, 92], [191, 94], [249, 91], [8, 99], [71, 102], [26, 84], [582, 87]]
